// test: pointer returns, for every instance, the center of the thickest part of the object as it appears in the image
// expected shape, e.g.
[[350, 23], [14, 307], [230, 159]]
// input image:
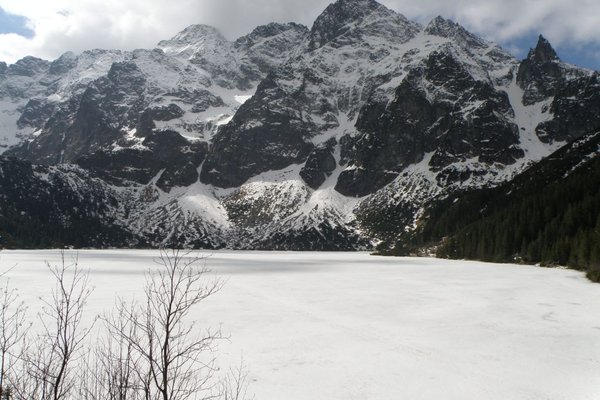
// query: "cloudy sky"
[[47, 28]]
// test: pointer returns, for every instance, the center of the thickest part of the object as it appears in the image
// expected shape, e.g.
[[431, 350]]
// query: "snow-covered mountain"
[[332, 137]]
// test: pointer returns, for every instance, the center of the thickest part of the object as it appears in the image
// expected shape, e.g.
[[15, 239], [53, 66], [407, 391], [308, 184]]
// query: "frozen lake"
[[352, 326]]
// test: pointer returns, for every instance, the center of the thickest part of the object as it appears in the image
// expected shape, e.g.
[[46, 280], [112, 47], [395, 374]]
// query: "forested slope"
[[550, 214]]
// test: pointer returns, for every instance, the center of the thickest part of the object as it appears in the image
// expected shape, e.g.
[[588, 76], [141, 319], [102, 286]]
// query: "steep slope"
[[550, 213], [298, 114], [381, 109], [57, 206], [337, 137], [493, 152], [309, 99], [65, 205], [31, 90], [189, 84]]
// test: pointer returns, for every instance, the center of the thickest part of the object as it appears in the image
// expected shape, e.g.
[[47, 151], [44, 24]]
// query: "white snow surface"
[[354, 326], [527, 119]]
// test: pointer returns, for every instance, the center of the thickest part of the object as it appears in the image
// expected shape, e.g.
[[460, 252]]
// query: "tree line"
[[551, 223]]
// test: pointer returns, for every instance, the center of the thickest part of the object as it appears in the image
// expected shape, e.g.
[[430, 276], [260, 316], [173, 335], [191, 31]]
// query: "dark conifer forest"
[[551, 221]]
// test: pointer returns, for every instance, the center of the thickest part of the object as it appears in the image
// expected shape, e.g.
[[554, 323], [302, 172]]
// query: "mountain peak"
[[543, 52], [197, 32], [63, 63], [446, 28], [337, 17], [268, 31], [440, 25], [193, 39], [28, 66], [274, 28]]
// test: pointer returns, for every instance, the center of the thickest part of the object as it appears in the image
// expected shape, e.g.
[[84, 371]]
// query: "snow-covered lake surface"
[[352, 326]]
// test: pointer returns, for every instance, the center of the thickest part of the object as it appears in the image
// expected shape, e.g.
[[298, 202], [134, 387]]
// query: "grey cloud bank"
[[83, 24]]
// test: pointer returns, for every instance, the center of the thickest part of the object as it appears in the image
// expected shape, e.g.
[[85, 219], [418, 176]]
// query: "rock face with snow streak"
[[570, 94], [292, 137], [188, 85]]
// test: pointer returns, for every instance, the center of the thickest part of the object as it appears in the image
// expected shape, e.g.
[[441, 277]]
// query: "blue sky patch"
[[10, 23]]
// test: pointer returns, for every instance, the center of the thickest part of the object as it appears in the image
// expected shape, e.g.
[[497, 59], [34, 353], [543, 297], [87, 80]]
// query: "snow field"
[[354, 326]]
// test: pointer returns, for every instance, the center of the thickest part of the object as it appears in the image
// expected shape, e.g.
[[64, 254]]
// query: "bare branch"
[[172, 360], [234, 386], [148, 350], [47, 362], [12, 332]]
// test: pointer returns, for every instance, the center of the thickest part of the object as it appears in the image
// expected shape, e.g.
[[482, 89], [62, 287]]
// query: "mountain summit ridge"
[[339, 17]]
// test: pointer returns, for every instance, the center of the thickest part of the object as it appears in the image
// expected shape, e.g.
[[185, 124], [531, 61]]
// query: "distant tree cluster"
[[36, 213], [145, 350], [557, 224]]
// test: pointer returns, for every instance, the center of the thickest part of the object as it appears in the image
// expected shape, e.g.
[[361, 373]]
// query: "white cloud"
[[76, 25]]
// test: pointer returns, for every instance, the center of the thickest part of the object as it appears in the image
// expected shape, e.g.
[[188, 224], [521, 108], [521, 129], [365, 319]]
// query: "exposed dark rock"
[[267, 46], [319, 165], [179, 157], [145, 124], [166, 113], [341, 23], [119, 167], [576, 110], [543, 52], [63, 64], [201, 99], [165, 151], [36, 113], [337, 18], [540, 74], [258, 139], [28, 66], [90, 123], [398, 134], [126, 77], [263, 32]]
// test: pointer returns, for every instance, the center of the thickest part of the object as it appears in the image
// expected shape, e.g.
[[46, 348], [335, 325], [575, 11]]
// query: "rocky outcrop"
[[259, 138], [468, 119], [36, 113], [62, 65], [267, 46], [91, 122], [164, 156], [541, 73], [319, 165], [576, 110], [570, 94], [28, 67]]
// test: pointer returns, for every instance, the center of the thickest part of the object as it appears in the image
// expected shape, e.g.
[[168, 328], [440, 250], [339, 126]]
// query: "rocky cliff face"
[[292, 137], [190, 84]]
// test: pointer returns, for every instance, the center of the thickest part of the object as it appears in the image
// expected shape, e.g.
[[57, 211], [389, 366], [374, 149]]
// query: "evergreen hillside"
[[47, 207], [550, 214]]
